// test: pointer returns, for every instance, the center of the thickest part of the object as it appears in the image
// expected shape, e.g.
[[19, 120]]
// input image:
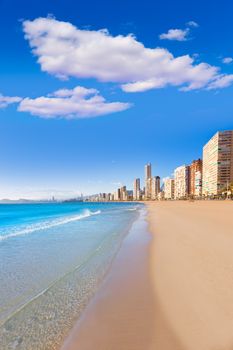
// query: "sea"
[[53, 257]]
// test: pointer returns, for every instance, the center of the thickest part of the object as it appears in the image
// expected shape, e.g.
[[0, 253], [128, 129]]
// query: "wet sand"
[[172, 290], [121, 314]]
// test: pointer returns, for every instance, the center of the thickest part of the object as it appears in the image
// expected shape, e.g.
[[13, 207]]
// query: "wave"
[[49, 224]]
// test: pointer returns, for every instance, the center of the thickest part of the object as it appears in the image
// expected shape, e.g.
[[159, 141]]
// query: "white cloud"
[[193, 24], [175, 34], [222, 82], [71, 104], [227, 60], [7, 100], [66, 51]]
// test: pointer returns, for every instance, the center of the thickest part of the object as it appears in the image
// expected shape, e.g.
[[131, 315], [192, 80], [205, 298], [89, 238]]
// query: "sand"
[[192, 272], [173, 291]]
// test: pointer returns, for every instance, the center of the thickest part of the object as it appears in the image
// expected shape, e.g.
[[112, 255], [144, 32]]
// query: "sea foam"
[[44, 225]]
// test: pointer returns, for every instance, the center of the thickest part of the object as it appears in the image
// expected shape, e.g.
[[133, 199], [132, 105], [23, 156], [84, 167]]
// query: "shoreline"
[[170, 291], [114, 306], [45, 319]]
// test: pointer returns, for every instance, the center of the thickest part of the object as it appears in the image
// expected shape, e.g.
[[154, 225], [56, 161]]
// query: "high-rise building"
[[129, 195], [195, 182], [169, 187], [155, 187], [148, 171], [218, 163], [123, 194], [154, 191], [117, 195], [198, 184], [148, 188], [158, 187], [148, 181], [161, 195], [181, 182], [136, 190]]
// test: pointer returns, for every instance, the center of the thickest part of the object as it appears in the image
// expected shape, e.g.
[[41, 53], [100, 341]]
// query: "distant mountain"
[[22, 201]]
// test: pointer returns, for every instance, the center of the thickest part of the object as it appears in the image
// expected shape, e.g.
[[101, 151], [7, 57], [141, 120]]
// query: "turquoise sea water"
[[52, 259]]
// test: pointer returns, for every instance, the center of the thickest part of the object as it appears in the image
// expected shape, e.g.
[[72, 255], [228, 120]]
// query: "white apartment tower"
[[218, 163], [181, 182], [169, 188]]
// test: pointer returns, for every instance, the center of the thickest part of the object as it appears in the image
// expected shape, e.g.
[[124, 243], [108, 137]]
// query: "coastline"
[[170, 289], [88, 250], [120, 314]]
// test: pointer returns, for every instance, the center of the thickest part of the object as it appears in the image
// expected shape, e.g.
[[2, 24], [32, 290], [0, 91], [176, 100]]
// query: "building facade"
[[198, 184], [218, 163], [148, 171], [136, 190], [181, 182], [155, 187], [169, 188], [123, 194], [161, 195], [148, 181], [195, 177]]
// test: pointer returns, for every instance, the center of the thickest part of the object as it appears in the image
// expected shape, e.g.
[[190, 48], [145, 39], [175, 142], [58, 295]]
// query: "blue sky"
[[73, 141]]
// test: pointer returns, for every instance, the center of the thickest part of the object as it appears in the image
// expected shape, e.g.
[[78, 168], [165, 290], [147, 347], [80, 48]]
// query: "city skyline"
[[186, 181], [79, 127], [202, 178]]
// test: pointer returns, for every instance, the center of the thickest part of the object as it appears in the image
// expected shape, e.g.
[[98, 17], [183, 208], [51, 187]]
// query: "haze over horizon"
[[86, 98]]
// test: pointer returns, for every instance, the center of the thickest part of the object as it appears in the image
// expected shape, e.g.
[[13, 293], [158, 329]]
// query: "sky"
[[92, 91]]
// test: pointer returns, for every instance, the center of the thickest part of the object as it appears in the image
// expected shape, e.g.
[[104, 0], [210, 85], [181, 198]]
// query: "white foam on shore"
[[49, 224]]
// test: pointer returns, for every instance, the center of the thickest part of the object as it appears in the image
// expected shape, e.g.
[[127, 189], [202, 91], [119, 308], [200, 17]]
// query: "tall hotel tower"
[[148, 181], [169, 188], [181, 182], [155, 187], [148, 171], [195, 178], [218, 163], [136, 190]]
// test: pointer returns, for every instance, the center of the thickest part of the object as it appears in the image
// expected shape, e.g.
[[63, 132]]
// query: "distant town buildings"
[[211, 177]]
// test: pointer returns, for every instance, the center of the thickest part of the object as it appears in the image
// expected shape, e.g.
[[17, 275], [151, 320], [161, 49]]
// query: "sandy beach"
[[169, 290]]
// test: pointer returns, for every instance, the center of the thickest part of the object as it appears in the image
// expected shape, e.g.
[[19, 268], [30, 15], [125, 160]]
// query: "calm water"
[[52, 259]]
